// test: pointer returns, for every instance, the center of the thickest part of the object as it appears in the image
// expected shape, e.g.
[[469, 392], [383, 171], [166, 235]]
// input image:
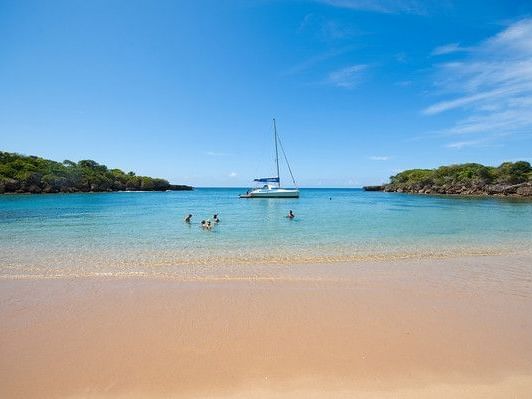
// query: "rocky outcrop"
[[11, 188], [179, 187], [373, 188], [507, 179], [34, 175], [510, 190]]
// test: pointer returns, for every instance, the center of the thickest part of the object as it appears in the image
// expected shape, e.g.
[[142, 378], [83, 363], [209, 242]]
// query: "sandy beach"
[[454, 327], [289, 199]]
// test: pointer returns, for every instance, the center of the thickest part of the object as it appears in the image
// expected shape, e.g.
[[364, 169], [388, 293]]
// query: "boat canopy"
[[267, 180]]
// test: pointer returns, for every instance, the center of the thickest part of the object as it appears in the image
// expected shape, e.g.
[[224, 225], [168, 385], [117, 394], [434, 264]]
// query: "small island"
[[35, 175], [508, 179]]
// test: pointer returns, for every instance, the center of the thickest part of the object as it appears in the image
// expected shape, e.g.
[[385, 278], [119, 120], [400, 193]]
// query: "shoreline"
[[432, 328], [166, 265], [382, 189], [454, 192], [188, 188]]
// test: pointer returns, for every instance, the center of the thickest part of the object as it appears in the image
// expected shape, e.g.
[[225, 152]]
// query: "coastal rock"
[[508, 179], [10, 185], [477, 189], [373, 188], [34, 189], [47, 189], [525, 191], [180, 187], [495, 189]]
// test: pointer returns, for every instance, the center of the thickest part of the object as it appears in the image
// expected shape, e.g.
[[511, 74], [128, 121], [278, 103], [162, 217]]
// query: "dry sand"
[[457, 327]]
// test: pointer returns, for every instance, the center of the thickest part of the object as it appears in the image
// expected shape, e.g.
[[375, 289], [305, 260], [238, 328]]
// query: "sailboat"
[[272, 187]]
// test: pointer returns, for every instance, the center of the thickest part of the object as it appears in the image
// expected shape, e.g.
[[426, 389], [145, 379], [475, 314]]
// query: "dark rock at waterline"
[[510, 190], [373, 188], [179, 187]]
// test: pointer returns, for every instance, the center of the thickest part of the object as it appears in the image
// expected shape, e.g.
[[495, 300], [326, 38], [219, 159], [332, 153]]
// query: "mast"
[[276, 153]]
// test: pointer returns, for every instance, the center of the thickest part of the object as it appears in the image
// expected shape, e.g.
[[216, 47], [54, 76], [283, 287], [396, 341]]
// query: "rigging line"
[[286, 159], [276, 153]]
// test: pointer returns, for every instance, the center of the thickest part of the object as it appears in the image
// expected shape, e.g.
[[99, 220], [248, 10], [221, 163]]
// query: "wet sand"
[[434, 328]]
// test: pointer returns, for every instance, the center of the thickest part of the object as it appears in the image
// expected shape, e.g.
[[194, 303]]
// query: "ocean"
[[130, 233]]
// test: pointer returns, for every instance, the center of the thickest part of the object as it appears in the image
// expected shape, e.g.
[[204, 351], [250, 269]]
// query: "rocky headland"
[[508, 179], [35, 175]]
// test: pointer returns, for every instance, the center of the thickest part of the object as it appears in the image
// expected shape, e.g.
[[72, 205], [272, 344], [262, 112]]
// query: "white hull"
[[272, 193]]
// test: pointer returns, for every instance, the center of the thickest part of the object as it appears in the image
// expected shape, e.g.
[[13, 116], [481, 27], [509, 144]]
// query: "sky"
[[360, 89]]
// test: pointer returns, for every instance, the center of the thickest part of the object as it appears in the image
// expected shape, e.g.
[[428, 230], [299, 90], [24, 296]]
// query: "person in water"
[[203, 224], [215, 218], [209, 225], [291, 214], [188, 219]]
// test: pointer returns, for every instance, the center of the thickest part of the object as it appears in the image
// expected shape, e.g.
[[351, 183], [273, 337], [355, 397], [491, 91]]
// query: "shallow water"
[[113, 233]]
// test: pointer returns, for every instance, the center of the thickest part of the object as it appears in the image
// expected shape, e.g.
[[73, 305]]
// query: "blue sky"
[[361, 89]]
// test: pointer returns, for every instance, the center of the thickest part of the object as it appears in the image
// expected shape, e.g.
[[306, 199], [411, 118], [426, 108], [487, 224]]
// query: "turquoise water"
[[135, 232]]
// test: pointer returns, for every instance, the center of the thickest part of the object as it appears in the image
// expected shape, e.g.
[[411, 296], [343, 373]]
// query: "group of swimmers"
[[208, 225], [205, 224]]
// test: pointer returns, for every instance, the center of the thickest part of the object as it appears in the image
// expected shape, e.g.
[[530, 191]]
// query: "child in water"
[[188, 219], [215, 218], [291, 215], [206, 225]]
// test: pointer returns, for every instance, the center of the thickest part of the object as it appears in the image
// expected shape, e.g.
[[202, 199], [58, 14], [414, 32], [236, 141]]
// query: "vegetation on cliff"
[[510, 178], [31, 174]]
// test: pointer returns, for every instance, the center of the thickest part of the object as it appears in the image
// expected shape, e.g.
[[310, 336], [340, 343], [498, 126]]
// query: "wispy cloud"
[[466, 100], [382, 6], [491, 86], [317, 59], [335, 34], [347, 77], [449, 48], [379, 158], [233, 174], [461, 144], [326, 29]]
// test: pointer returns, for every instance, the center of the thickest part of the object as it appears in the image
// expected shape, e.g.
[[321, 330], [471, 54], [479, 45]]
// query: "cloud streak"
[[491, 87], [379, 158], [381, 6], [327, 29], [347, 77], [461, 144], [318, 59], [449, 49]]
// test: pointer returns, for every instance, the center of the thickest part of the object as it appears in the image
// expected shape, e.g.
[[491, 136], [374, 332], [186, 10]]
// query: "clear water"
[[135, 232]]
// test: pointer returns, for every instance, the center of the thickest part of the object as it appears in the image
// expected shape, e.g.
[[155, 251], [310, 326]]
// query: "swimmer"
[[188, 219], [203, 224], [291, 215], [215, 217]]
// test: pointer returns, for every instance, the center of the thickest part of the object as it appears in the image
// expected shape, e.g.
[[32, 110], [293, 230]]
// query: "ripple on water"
[[114, 233]]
